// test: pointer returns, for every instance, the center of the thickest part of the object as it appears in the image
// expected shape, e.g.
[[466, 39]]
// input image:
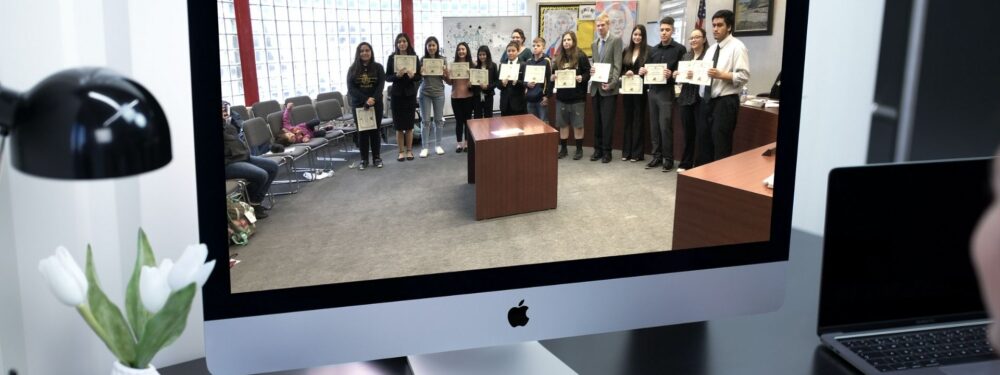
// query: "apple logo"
[[518, 315]]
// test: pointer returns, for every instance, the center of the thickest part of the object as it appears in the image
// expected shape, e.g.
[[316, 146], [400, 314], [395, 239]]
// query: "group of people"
[[708, 113]]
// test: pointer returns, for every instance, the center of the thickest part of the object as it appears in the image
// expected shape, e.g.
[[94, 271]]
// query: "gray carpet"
[[417, 217]]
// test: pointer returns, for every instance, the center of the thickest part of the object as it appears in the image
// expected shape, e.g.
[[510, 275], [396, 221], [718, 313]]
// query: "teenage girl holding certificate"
[[365, 80], [633, 58], [461, 98], [483, 94], [570, 101], [403, 94], [431, 103], [690, 101]]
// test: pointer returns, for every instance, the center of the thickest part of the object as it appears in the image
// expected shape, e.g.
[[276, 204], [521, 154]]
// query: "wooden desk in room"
[[513, 173], [724, 202], [754, 127]]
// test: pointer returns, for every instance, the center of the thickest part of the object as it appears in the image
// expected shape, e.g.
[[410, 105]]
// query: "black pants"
[[690, 119], [715, 138], [604, 123], [462, 108], [635, 108], [370, 139], [482, 108]]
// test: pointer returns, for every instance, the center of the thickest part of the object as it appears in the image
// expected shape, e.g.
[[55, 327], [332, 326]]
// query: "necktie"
[[707, 94], [600, 50]]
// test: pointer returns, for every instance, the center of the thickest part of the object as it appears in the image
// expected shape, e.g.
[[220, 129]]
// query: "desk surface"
[[779, 342], [528, 123], [745, 171]]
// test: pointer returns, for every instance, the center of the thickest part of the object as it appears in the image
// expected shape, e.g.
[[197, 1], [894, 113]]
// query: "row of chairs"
[[268, 107]]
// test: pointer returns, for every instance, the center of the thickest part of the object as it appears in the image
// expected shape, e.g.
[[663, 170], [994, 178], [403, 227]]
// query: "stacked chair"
[[298, 101], [262, 109]]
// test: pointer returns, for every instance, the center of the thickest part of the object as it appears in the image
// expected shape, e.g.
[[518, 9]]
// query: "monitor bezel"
[[220, 303]]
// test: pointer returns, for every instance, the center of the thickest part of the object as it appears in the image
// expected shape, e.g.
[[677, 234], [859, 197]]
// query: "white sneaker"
[[439, 150], [423, 153]]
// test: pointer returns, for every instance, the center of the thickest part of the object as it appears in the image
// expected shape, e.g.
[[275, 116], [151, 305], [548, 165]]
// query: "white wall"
[[836, 99], [36, 215]]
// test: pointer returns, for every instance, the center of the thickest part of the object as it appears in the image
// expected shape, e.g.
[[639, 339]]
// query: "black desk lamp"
[[85, 123]]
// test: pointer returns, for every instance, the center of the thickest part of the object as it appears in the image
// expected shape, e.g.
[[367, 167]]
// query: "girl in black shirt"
[[403, 96], [483, 102], [365, 80]]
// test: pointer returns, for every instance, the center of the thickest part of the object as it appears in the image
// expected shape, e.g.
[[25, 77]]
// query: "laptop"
[[898, 293]]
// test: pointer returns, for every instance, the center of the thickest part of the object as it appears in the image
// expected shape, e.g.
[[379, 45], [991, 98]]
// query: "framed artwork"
[[622, 16], [753, 17], [556, 19]]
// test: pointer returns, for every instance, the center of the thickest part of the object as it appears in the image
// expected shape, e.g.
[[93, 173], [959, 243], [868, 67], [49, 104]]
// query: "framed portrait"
[[556, 19], [753, 17], [622, 16]]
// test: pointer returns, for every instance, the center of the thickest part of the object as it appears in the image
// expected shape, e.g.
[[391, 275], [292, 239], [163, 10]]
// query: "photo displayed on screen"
[[340, 166]]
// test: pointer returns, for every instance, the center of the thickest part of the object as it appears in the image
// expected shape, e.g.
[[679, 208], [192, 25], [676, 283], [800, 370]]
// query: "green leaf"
[[114, 329], [166, 326], [137, 314]]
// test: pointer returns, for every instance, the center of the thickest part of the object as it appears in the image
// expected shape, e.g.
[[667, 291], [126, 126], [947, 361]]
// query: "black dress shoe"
[[563, 153], [668, 166], [596, 156], [606, 159], [656, 162], [578, 154]]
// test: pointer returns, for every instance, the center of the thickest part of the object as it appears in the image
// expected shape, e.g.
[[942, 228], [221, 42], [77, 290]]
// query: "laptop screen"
[[896, 244]]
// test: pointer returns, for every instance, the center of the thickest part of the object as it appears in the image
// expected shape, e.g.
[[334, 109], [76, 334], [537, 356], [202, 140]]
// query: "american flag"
[[701, 15]]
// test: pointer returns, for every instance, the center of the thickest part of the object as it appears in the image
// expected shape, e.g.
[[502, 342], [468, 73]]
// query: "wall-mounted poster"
[[622, 16], [554, 20], [588, 12], [480, 31]]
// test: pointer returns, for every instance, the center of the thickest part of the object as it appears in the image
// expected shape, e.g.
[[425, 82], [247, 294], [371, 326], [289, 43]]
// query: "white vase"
[[119, 369]]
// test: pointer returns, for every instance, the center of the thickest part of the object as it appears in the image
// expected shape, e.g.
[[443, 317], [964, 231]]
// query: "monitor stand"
[[523, 358]]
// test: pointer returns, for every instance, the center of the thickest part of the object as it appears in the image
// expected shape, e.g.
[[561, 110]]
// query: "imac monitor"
[[359, 266]]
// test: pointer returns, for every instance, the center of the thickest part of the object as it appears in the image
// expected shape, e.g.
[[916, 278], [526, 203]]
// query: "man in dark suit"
[[607, 50]]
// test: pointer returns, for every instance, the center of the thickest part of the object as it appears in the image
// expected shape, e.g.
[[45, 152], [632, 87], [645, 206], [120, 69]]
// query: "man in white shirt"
[[730, 72]]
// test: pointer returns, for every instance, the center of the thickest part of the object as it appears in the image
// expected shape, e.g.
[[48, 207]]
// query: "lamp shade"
[[88, 123]]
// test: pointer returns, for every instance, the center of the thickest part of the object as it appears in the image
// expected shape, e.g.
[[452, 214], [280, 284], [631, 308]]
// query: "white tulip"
[[191, 268], [64, 277], [153, 287]]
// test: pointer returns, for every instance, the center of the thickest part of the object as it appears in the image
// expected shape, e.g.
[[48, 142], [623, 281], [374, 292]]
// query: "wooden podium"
[[724, 202], [513, 163]]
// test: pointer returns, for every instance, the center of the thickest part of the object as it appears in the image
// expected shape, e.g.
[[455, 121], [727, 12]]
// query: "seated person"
[[258, 172]]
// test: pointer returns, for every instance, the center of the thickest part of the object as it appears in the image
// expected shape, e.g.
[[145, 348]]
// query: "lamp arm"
[[8, 101]]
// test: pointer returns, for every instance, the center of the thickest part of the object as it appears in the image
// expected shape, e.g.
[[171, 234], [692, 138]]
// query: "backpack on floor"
[[241, 220]]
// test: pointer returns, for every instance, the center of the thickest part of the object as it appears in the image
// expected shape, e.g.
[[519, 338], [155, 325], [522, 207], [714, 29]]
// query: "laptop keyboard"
[[911, 350]]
